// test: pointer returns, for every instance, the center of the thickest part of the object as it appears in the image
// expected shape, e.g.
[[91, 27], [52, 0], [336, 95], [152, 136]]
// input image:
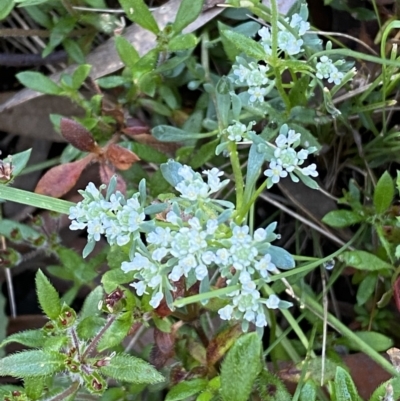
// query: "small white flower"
[[335, 77], [241, 72], [288, 43], [257, 94], [140, 287], [310, 170], [260, 320], [273, 302], [156, 299], [201, 271], [208, 257], [275, 172], [159, 254], [225, 313], [259, 235]]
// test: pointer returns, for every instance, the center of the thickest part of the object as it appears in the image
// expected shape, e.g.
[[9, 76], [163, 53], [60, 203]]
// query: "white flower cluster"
[[119, 219], [328, 70], [185, 245], [255, 77], [192, 187], [238, 131], [287, 41], [286, 160]]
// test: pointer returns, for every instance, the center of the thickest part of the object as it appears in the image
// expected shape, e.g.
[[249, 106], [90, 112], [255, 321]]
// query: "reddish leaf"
[[163, 349], [59, 180], [106, 172], [396, 292], [165, 147], [77, 135], [134, 127], [120, 157]]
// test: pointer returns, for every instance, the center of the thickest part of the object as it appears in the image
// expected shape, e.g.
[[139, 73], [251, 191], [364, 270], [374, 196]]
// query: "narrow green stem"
[[317, 309], [237, 173], [274, 51], [245, 208]]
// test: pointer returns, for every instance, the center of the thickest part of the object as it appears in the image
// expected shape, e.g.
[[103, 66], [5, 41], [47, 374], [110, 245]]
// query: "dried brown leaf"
[[120, 157], [60, 179]]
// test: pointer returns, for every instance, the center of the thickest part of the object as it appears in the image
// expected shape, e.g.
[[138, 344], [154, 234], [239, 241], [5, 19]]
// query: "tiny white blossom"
[[156, 299], [335, 77], [257, 94], [288, 43], [225, 313], [310, 170], [259, 235], [273, 302], [275, 172]]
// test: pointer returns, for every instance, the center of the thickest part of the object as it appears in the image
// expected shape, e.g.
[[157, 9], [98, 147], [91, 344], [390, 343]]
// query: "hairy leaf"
[[132, 370], [241, 368], [49, 299], [36, 363]]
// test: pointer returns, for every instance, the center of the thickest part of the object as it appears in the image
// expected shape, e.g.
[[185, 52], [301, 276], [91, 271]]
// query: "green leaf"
[[380, 392], [203, 155], [29, 338], [112, 81], [91, 305], [80, 74], [245, 45], [19, 161], [36, 200], [38, 82], [342, 218], [6, 7], [13, 231], [116, 332], [74, 51], [113, 278], [255, 162], [241, 368], [186, 389], [366, 288], [188, 11], [308, 391], [3, 323], [182, 42], [34, 387], [127, 53], [35, 363], [376, 341], [345, 390], [281, 258], [132, 370], [384, 193], [59, 32], [166, 133], [137, 11], [48, 296], [364, 261]]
